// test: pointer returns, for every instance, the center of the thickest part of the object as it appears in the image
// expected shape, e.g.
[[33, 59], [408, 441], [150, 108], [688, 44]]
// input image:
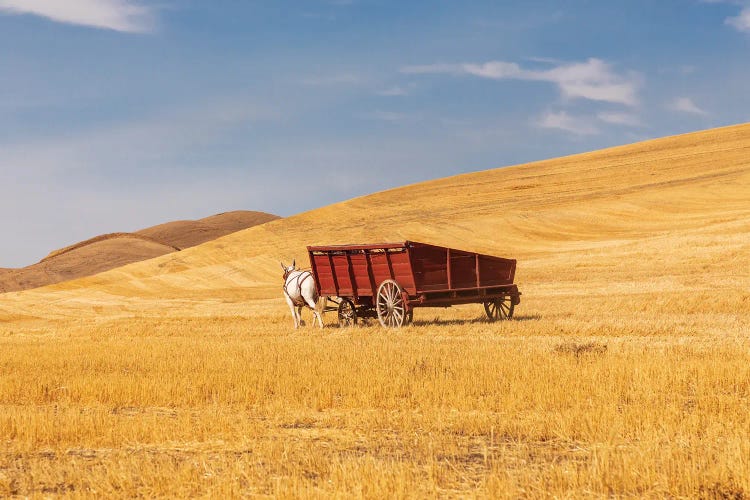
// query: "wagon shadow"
[[475, 321], [372, 322], [368, 322], [527, 317]]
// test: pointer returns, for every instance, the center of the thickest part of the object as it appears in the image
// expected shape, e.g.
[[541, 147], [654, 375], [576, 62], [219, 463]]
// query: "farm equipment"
[[388, 281]]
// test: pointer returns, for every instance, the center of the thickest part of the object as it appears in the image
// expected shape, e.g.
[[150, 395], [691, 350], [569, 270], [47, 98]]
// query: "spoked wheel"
[[499, 309], [390, 305], [347, 313]]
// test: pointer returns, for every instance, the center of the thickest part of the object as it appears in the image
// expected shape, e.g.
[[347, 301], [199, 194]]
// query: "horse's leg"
[[320, 307], [294, 313], [316, 314], [299, 316], [320, 319], [313, 305]]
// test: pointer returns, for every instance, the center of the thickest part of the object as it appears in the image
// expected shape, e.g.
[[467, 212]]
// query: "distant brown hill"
[[109, 251], [189, 233]]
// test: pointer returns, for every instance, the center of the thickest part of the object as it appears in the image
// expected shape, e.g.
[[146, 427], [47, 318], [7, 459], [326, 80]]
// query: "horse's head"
[[288, 269]]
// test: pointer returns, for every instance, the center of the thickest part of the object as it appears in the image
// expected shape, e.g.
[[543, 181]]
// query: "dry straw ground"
[[625, 373]]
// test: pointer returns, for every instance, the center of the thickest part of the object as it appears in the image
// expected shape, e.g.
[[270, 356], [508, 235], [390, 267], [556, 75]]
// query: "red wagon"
[[389, 280]]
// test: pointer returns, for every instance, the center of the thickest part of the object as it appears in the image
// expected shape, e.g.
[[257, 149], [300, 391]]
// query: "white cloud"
[[686, 105], [619, 118], [592, 80], [118, 15], [741, 22], [564, 121], [497, 70]]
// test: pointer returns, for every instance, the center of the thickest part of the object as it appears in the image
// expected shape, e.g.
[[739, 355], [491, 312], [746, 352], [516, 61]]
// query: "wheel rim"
[[347, 313], [390, 305], [499, 309]]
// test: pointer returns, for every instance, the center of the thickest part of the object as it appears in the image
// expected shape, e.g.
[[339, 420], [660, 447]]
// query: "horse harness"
[[297, 280]]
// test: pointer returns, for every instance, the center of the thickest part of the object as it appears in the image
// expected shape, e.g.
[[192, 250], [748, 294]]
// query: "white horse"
[[300, 291]]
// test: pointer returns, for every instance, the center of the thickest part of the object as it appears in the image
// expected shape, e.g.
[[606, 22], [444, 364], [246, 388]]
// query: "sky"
[[116, 115]]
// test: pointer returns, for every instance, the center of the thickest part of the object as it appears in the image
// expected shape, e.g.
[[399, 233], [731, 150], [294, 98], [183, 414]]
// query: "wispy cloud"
[[117, 15], [593, 79], [563, 121], [614, 118], [686, 105], [740, 22]]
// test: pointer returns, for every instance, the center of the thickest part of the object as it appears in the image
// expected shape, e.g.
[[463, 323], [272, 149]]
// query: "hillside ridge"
[[108, 251], [104, 237], [613, 209]]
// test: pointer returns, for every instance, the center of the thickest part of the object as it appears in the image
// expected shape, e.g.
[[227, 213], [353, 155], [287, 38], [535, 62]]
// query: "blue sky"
[[116, 115]]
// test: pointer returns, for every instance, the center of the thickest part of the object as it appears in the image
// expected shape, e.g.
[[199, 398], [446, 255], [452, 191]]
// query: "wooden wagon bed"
[[389, 280]]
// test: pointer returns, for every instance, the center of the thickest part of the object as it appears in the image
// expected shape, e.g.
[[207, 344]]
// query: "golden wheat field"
[[625, 372]]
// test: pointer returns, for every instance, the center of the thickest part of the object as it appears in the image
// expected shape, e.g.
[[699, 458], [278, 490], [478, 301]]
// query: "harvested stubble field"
[[626, 371]]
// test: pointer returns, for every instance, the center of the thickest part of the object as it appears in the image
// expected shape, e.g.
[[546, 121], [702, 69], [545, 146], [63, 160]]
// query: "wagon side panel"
[[340, 265], [430, 266], [402, 272], [361, 272], [463, 269], [324, 273], [392, 264], [495, 271], [379, 267]]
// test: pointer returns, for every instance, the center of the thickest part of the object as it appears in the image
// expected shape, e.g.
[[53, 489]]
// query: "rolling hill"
[[113, 250], [669, 217], [189, 233]]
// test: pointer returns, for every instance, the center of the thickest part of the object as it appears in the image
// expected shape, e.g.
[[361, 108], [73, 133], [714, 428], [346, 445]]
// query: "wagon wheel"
[[347, 313], [390, 305], [499, 309]]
